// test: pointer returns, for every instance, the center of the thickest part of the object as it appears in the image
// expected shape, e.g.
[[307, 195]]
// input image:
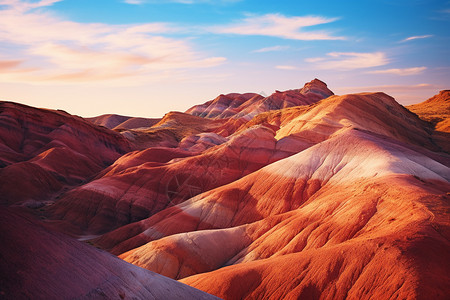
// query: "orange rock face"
[[435, 110], [299, 195]]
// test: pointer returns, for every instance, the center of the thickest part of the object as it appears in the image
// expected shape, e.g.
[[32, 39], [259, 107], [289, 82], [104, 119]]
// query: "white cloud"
[[277, 25], [50, 48], [271, 49], [19, 5], [285, 67], [315, 59], [401, 72], [349, 60], [416, 37]]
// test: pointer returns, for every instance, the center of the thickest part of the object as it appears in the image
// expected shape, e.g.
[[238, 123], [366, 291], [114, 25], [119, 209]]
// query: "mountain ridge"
[[301, 194]]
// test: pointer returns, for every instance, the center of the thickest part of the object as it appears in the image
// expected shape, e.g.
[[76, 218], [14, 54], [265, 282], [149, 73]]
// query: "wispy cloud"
[[286, 67], [181, 1], [271, 49], [278, 25], [54, 49], [442, 15], [400, 72], [20, 5], [349, 60], [416, 37], [9, 64], [136, 2]]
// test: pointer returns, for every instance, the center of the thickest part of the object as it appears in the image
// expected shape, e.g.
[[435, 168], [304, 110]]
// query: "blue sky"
[[145, 58]]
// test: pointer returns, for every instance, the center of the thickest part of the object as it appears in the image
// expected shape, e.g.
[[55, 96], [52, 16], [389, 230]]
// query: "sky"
[[148, 57]]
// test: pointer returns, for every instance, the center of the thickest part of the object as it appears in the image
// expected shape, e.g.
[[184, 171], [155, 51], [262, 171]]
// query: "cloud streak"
[[9, 64], [280, 26], [20, 5], [286, 67], [271, 49], [60, 50], [349, 60], [400, 72], [135, 2], [417, 37]]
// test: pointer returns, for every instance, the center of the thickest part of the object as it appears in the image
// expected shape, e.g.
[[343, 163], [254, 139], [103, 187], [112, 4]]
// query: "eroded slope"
[[36, 263]]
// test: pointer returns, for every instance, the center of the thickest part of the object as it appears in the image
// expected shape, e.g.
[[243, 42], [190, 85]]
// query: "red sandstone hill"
[[119, 123], [302, 194], [364, 188], [43, 152], [238, 109], [248, 105], [146, 187], [38, 264]]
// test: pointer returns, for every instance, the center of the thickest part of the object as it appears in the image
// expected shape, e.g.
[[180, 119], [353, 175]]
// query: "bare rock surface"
[[36, 263]]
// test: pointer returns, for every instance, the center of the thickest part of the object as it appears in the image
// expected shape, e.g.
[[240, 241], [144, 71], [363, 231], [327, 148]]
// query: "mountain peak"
[[316, 86], [435, 110], [250, 104], [442, 97], [316, 81]]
